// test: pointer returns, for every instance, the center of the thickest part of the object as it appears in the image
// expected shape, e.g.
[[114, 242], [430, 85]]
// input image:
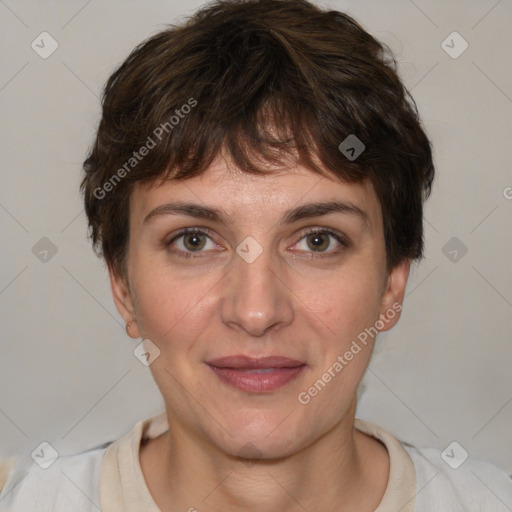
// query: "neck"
[[344, 469]]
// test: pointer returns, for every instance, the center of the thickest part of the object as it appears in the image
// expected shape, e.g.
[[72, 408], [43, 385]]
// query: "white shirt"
[[108, 478]]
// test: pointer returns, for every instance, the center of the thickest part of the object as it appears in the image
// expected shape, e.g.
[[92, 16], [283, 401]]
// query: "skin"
[[294, 300]]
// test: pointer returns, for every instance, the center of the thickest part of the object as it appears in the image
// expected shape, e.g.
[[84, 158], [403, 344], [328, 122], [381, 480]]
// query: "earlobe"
[[393, 297], [123, 301]]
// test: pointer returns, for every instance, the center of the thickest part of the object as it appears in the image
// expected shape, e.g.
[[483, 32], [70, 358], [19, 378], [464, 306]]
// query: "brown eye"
[[322, 241], [191, 241], [318, 241], [194, 241]]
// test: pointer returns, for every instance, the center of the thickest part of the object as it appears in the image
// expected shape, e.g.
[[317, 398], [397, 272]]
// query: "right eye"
[[189, 241]]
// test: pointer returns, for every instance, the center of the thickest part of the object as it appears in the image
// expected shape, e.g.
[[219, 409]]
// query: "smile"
[[258, 380]]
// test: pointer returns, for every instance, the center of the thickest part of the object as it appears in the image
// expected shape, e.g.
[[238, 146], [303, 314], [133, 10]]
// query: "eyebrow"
[[305, 211]]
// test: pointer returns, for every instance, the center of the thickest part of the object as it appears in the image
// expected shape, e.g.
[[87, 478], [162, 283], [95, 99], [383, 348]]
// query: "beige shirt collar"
[[123, 487]]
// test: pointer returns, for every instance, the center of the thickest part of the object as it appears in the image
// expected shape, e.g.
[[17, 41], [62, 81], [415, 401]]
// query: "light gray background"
[[67, 371]]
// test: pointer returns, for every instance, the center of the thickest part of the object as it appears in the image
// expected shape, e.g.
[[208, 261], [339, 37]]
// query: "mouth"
[[257, 375]]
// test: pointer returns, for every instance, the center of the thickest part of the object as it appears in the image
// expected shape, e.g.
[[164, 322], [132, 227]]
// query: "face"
[[268, 276]]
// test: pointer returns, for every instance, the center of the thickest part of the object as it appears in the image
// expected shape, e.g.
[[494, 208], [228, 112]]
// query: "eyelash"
[[342, 240]]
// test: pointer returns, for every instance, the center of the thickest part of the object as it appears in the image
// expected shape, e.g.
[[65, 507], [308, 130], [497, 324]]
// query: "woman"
[[256, 189]]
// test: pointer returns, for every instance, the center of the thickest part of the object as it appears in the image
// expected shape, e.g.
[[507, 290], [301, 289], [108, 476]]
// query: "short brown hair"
[[262, 80]]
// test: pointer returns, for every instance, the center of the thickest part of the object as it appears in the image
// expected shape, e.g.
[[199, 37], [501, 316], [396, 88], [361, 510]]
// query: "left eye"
[[320, 241]]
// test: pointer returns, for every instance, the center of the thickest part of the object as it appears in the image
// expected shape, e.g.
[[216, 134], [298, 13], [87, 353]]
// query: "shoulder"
[[450, 479], [6, 467], [69, 483]]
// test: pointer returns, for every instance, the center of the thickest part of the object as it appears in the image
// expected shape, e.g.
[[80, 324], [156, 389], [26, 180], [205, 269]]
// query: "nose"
[[256, 299]]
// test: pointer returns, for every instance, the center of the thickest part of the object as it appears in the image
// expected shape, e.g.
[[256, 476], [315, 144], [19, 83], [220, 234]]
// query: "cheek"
[[169, 305], [344, 309], [172, 313], [345, 305]]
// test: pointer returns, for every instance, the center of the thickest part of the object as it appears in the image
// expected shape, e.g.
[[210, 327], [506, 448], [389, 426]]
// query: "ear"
[[123, 301], [393, 295]]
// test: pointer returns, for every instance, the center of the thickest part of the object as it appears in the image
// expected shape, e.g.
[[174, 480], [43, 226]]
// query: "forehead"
[[238, 193]]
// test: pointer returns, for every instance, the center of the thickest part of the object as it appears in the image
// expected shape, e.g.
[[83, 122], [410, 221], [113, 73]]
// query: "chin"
[[263, 435]]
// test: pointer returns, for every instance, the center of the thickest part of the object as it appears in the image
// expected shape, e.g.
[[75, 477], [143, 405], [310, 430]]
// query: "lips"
[[257, 375], [250, 363]]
